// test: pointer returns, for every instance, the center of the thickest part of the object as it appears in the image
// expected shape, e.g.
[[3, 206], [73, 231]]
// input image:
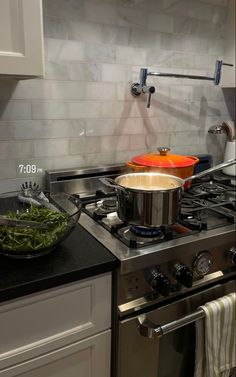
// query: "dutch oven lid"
[[164, 160]]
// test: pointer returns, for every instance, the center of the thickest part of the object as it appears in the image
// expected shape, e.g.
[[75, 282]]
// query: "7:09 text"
[[29, 169]]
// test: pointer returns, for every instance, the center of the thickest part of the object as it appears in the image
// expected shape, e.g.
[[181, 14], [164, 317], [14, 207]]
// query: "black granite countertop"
[[79, 256]]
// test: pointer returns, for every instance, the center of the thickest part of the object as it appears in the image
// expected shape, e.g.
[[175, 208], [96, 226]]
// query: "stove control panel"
[[171, 277]]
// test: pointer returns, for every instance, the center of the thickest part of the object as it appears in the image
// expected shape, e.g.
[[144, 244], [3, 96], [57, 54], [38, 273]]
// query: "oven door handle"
[[152, 331]]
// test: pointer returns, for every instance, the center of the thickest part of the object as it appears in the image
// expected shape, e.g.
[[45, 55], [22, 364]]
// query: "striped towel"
[[216, 341]]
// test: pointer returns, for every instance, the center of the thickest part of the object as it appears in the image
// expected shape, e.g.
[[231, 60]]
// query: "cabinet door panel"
[[11, 27], [21, 38], [87, 358], [54, 318]]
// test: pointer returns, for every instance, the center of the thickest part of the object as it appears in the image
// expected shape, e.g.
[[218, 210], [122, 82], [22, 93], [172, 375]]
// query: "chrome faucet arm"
[[178, 75], [216, 78], [142, 87]]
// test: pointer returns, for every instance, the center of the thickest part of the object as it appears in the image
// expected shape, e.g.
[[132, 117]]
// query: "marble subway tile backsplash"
[[82, 113], [19, 109]]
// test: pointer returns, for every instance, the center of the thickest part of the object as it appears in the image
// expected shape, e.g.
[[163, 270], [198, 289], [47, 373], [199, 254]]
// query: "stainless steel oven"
[[164, 274], [161, 342]]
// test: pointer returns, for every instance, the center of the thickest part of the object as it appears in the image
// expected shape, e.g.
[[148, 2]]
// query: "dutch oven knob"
[[163, 150], [183, 275]]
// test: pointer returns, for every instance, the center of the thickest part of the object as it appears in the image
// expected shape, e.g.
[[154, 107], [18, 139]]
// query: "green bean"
[[31, 239]]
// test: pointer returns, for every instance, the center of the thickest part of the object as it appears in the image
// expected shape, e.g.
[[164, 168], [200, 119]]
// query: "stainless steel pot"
[[152, 199], [140, 204]]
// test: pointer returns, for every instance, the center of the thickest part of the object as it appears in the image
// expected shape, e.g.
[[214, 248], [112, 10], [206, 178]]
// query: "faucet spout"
[[216, 129], [220, 128]]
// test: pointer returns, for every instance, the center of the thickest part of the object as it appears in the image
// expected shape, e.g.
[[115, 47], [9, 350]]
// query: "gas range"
[[197, 250], [206, 205]]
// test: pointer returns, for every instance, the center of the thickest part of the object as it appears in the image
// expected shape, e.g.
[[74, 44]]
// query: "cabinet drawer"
[[87, 358], [45, 321]]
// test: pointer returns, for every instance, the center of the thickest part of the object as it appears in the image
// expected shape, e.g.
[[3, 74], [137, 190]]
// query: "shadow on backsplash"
[[230, 98], [193, 112], [7, 89]]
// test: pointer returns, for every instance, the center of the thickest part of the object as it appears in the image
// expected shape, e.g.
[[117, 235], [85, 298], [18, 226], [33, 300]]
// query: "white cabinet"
[[62, 332], [228, 73], [21, 38], [87, 358]]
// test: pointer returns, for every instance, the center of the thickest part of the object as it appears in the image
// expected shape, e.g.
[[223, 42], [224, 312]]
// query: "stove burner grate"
[[212, 188], [190, 203]]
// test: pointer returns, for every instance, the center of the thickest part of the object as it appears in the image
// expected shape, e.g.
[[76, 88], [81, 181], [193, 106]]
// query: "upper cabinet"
[[228, 73], [21, 38]]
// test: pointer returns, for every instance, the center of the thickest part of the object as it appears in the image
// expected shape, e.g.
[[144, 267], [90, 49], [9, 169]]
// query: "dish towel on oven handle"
[[216, 339]]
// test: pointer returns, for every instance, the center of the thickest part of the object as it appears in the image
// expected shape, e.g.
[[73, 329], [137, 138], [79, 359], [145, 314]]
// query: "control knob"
[[159, 282], [232, 254], [183, 275]]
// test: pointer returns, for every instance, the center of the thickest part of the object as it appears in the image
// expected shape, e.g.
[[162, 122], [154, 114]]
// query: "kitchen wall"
[[82, 112]]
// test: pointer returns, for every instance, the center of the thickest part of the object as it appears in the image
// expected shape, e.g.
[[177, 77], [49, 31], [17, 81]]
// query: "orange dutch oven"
[[162, 162]]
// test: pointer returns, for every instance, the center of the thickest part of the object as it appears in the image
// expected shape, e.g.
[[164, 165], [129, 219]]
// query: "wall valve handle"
[[151, 91]]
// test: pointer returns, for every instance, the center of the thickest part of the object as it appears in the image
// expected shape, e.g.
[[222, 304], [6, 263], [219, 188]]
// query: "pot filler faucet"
[[221, 128], [142, 87]]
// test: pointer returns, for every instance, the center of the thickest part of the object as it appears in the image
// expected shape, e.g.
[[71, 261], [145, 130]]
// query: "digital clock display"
[[29, 169]]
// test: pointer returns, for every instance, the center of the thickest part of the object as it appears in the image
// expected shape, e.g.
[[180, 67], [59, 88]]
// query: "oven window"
[[177, 353]]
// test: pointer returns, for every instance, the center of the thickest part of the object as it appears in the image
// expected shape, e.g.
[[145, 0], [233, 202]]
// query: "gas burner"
[[212, 188], [109, 205], [229, 195], [193, 222], [145, 237], [146, 232], [227, 198], [104, 208]]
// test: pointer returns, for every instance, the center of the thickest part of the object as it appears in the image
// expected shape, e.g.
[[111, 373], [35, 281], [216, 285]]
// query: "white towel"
[[216, 341]]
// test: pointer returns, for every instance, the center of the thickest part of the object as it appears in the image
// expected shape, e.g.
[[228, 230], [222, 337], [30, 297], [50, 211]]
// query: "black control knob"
[[183, 275], [159, 282], [232, 255]]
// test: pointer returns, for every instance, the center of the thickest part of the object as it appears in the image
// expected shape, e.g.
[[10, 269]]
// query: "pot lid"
[[164, 160]]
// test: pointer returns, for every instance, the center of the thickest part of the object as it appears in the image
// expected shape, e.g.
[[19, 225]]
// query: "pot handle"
[[111, 183], [134, 166], [211, 170], [194, 158]]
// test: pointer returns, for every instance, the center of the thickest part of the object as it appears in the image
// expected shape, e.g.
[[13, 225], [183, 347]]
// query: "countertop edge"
[[19, 291]]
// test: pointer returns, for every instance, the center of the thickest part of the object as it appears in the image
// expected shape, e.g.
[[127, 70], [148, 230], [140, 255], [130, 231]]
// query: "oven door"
[[161, 342]]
